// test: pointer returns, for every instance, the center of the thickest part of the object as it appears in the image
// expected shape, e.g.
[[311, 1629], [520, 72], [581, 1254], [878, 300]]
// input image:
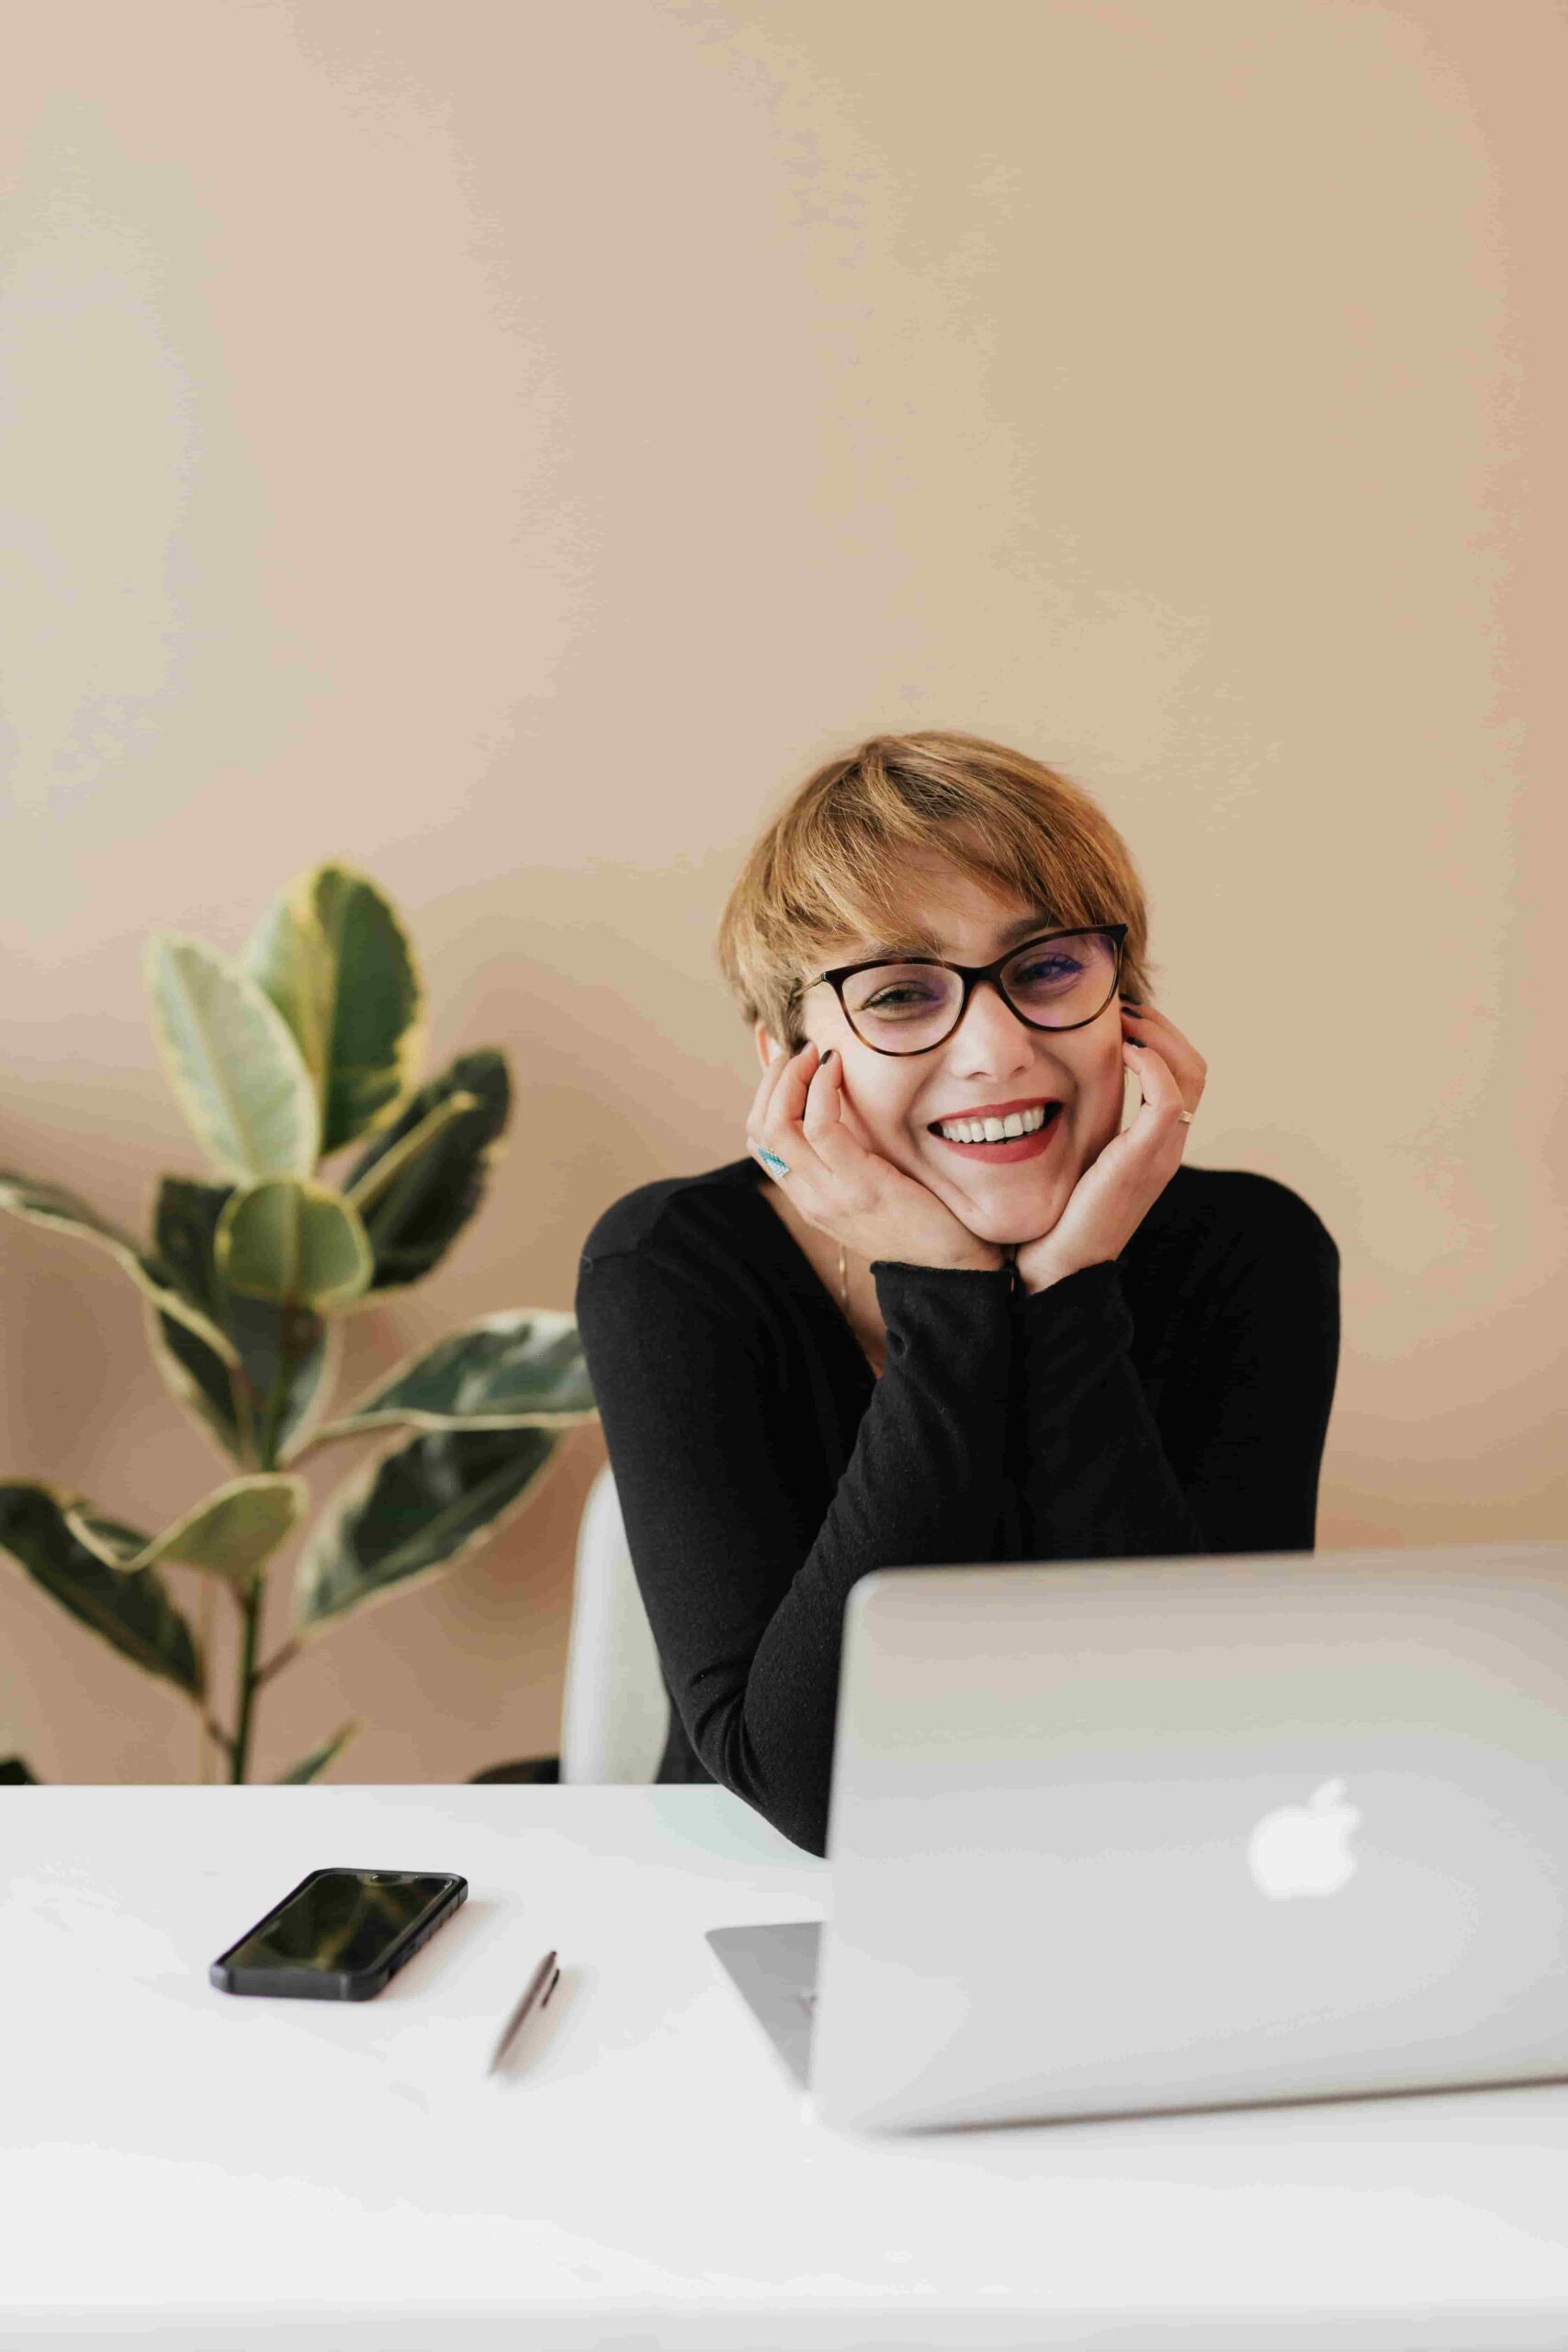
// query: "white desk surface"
[[197, 2172]]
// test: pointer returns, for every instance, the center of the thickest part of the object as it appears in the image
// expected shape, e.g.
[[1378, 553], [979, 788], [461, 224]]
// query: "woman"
[[881, 1339]]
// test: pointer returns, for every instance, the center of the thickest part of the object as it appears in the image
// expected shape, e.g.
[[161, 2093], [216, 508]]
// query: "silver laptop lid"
[[1138, 1835]]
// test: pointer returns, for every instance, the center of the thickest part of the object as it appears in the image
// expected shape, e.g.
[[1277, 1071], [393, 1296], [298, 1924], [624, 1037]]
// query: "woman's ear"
[[768, 1047]]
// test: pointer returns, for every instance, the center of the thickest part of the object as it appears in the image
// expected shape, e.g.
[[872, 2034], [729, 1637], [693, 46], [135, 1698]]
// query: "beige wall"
[[504, 445]]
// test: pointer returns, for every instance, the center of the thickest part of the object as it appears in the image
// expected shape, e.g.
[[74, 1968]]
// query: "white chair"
[[614, 1716]]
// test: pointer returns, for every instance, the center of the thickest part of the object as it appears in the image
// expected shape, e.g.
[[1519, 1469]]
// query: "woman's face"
[[891, 1100]]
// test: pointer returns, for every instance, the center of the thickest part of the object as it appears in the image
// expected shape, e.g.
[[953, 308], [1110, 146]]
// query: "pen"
[[525, 2005]]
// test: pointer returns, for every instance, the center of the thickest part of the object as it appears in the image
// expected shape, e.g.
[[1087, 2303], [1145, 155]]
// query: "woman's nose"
[[989, 1020]]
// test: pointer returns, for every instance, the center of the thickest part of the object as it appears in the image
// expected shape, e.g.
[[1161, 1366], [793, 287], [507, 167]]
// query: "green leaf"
[[232, 1403], [131, 1611], [232, 1533], [50, 1204], [302, 1241], [521, 1367], [380, 1178], [232, 1061], [415, 1220], [411, 1512], [310, 1766], [334, 958]]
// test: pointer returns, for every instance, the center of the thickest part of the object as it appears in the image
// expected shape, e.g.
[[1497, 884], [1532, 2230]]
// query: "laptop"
[[1126, 1836]]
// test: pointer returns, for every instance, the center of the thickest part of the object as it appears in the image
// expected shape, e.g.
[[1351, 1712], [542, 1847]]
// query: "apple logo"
[[1301, 1848]]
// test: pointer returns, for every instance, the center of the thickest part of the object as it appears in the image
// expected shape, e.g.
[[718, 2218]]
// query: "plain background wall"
[[505, 446]]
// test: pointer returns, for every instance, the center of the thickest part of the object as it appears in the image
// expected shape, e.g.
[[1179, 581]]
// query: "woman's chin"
[[1008, 1208]]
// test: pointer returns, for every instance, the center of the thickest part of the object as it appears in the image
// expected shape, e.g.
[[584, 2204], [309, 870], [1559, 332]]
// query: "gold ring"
[[1185, 1117]]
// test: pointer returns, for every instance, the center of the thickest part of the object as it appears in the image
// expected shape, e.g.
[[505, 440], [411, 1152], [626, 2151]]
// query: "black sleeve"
[[745, 1599], [1246, 1416]]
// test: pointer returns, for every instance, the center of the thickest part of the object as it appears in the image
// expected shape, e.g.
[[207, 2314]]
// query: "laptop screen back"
[[1125, 1835]]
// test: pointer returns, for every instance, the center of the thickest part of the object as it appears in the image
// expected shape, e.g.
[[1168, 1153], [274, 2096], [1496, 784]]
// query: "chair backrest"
[[614, 1714]]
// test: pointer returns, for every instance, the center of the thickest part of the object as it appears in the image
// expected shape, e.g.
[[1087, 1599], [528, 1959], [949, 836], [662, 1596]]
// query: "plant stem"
[[267, 1444], [205, 1750], [217, 1735], [251, 1602], [279, 1658], [251, 1609]]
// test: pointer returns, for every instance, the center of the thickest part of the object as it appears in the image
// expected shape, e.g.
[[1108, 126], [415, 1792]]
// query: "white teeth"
[[1017, 1122]]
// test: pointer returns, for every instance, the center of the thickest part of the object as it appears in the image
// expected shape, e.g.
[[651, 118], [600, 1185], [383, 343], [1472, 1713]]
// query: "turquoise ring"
[[780, 1166]]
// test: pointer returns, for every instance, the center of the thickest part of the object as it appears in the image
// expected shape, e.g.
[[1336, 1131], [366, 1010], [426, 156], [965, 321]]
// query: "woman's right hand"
[[854, 1195]]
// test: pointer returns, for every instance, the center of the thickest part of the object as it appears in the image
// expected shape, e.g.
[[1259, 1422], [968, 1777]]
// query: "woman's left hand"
[[1116, 1190]]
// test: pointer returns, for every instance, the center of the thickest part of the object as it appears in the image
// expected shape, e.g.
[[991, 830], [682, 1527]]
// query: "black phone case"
[[295, 1982]]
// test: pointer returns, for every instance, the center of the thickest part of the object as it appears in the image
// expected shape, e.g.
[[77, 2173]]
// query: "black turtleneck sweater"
[[1174, 1401]]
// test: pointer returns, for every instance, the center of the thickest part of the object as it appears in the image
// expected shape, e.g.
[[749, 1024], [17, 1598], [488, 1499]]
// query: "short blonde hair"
[[830, 865]]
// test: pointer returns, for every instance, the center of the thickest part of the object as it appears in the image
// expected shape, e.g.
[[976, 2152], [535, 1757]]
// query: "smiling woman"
[[947, 1308]]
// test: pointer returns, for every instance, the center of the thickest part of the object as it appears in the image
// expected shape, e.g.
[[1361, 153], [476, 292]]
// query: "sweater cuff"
[[963, 1312], [900, 1279], [1081, 1323]]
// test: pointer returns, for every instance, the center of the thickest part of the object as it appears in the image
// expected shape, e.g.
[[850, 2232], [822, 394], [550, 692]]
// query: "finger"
[[1182, 1055], [767, 1083], [1149, 1016], [794, 1088], [780, 1127], [1157, 1081], [760, 1094], [848, 1170], [822, 1140], [770, 1090], [823, 1121]]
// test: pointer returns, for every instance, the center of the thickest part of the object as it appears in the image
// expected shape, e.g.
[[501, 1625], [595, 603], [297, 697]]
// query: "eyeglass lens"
[[1056, 983]]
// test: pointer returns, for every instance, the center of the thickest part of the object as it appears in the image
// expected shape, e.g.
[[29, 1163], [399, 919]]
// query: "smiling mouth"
[[1006, 1149], [978, 1118]]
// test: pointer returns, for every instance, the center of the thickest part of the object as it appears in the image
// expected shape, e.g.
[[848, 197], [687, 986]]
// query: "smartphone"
[[340, 1935]]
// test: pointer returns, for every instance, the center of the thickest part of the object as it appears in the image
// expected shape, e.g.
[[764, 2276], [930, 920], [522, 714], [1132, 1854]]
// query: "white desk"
[[196, 2172]]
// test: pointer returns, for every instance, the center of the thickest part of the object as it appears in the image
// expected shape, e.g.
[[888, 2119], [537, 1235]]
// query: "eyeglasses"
[[1060, 979]]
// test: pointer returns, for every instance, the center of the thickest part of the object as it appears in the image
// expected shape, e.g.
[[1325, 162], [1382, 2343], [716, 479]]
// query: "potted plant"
[[306, 1044]]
